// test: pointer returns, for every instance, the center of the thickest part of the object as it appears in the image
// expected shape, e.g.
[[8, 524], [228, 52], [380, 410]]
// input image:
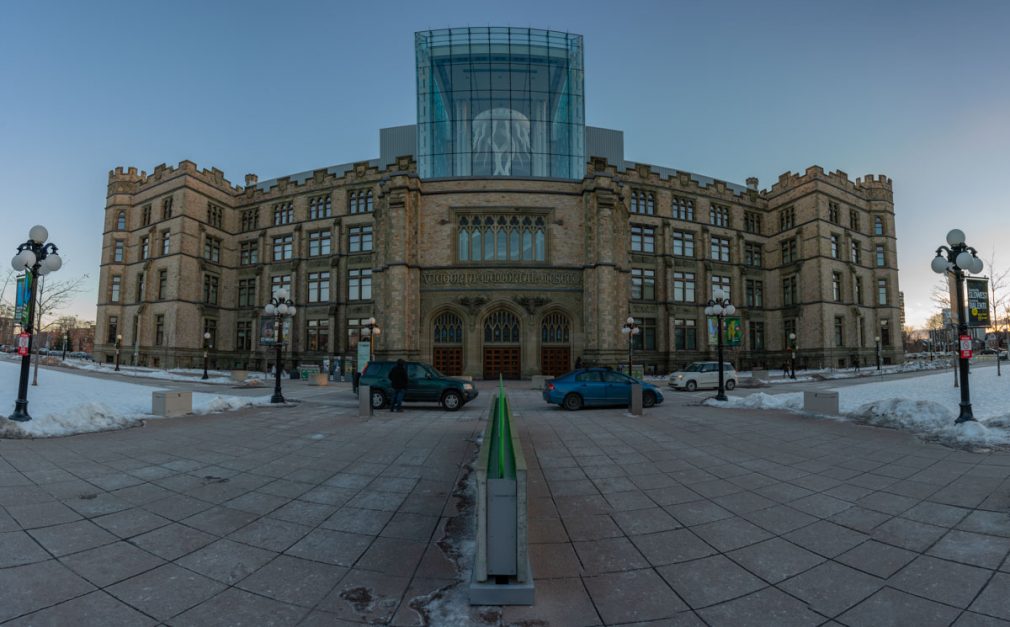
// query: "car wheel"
[[648, 399], [730, 384], [452, 400], [691, 386], [572, 402], [378, 399]]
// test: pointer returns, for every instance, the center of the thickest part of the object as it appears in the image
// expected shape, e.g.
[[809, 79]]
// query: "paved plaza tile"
[[688, 515]]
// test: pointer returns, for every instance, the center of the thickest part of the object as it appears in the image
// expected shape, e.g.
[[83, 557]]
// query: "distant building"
[[498, 235]]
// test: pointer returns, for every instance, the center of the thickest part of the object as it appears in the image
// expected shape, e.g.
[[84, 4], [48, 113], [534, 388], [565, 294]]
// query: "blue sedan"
[[595, 387]]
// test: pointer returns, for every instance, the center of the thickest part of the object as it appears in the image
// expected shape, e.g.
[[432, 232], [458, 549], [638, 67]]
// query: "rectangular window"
[[354, 332], [853, 219], [643, 238], [283, 248], [720, 282], [162, 284], [859, 290], [115, 288], [250, 219], [752, 253], [854, 249], [752, 222], [643, 284], [643, 202], [683, 244], [113, 329], [319, 243], [683, 287], [246, 292], [834, 247], [210, 285], [359, 284], [787, 218], [210, 327], [885, 335], [166, 242], [145, 247], [243, 335], [790, 291], [878, 225], [839, 332], [646, 339], [683, 208], [833, 212], [140, 287], [881, 257], [360, 201], [284, 213], [280, 282], [789, 333], [754, 293], [319, 287], [117, 251], [881, 291], [318, 336], [789, 247], [249, 252], [320, 207], [685, 335], [212, 249], [718, 215], [159, 330], [214, 215], [836, 287], [756, 332], [166, 208], [146, 215], [861, 331], [719, 249], [359, 239]]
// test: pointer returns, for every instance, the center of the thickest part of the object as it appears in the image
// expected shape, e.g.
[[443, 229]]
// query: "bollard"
[[636, 399], [364, 401]]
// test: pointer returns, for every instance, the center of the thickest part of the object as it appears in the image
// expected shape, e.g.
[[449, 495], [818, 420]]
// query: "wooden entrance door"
[[503, 360], [448, 360], [555, 360]]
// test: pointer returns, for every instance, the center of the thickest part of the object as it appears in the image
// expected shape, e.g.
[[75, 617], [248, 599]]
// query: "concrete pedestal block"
[[239, 375], [760, 375], [170, 403], [636, 399], [319, 379], [538, 381], [365, 401], [821, 402]]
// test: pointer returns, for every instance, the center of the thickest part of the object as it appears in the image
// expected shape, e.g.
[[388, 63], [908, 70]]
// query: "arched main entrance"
[[555, 344], [447, 354], [501, 345]]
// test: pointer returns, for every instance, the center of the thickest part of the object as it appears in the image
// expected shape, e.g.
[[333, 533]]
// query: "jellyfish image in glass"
[[500, 136]]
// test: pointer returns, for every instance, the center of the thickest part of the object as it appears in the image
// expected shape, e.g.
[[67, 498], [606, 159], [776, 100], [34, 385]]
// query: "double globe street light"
[[957, 260], [631, 330], [206, 345], [720, 307], [371, 331], [280, 307], [35, 258]]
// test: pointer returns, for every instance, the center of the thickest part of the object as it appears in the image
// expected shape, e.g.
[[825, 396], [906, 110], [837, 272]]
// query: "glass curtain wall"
[[500, 102]]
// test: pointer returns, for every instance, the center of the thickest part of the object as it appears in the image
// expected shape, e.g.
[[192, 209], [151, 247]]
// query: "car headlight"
[[468, 387], [680, 377]]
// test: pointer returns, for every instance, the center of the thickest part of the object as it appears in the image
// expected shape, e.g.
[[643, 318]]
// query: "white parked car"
[[703, 374]]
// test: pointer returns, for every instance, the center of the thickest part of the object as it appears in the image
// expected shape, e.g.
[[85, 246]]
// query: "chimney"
[[251, 179], [752, 183]]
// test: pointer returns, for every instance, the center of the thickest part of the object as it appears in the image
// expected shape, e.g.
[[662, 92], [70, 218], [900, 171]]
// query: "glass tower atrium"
[[500, 102]]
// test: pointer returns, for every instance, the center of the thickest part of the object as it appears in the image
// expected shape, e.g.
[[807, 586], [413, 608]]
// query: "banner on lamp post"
[[978, 302], [22, 299], [732, 331]]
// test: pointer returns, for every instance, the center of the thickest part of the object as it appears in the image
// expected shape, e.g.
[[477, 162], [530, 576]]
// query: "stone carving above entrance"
[[472, 303], [501, 277], [531, 303]]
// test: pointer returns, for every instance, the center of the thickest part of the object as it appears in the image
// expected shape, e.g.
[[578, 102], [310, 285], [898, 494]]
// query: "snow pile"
[[931, 419], [66, 403], [760, 400], [179, 374]]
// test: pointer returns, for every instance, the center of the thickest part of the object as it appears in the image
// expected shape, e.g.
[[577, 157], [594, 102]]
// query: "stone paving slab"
[[688, 515]]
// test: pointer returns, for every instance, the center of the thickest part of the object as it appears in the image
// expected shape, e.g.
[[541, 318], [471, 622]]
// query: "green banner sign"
[[732, 331]]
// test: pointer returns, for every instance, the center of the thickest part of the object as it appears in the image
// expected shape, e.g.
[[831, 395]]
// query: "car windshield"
[[695, 368]]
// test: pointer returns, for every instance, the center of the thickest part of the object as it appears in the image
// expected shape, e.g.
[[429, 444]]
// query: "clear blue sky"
[[917, 90]]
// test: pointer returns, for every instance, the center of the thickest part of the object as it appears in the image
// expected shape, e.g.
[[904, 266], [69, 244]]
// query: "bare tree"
[[998, 299], [48, 300]]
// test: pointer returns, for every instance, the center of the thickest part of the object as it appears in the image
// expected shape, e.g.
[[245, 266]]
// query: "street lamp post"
[[280, 306], [206, 345], [792, 355], [119, 341], [371, 330], [876, 341], [720, 307], [960, 258], [35, 258], [65, 338], [631, 330]]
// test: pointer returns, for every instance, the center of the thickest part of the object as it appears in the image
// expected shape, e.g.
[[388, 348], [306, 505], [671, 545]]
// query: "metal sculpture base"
[[511, 592], [20, 412]]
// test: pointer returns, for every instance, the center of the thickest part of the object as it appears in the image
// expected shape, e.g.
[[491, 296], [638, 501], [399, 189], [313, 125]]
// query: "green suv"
[[424, 383]]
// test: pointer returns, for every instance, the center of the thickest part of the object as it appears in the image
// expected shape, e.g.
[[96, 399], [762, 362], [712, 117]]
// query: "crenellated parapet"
[[871, 187]]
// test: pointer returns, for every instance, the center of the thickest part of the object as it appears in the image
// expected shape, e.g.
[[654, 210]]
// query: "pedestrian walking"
[[355, 379], [398, 379]]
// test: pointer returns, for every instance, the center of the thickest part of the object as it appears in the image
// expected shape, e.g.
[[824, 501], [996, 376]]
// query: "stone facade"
[[521, 314]]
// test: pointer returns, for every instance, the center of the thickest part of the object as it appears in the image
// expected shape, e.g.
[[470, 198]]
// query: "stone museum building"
[[497, 235]]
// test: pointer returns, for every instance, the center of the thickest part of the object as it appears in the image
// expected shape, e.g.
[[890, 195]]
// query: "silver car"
[[703, 374]]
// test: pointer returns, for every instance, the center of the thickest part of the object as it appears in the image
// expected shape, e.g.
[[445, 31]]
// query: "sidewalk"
[[308, 515]]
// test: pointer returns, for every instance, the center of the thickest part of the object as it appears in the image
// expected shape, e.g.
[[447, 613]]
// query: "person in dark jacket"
[[398, 379]]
